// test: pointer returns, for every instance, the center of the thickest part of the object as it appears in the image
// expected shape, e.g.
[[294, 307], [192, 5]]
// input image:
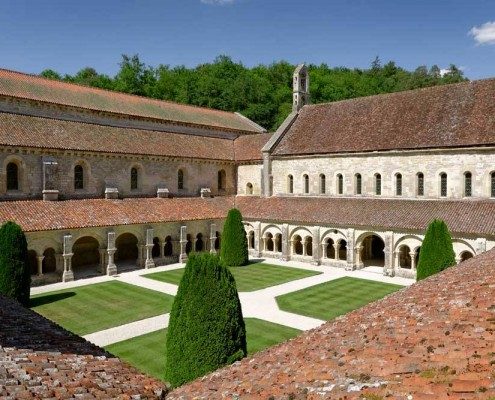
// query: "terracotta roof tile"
[[442, 116], [38, 215], [248, 147], [434, 340], [40, 360], [477, 216], [33, 87], [21, 130]]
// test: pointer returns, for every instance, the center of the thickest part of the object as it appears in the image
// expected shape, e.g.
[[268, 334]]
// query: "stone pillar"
[[213, 238], [336, 247], [316, 246], [350, 249], [183, 242], [305, 245], [111, 249], [40, 265], [359, 263], [257, 238], [396, 259], [67, 275], [149, 263], [388, 266], [412, 254], [102, 260], [286, 248]]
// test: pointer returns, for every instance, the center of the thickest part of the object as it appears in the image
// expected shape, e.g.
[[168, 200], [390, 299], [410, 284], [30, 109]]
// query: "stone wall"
[[480, 162], [249, 173], [111, 170]]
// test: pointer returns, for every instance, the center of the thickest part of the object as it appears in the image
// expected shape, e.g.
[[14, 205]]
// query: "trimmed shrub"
[[234, 247], [206, 329], [15, 276], [437, 252]]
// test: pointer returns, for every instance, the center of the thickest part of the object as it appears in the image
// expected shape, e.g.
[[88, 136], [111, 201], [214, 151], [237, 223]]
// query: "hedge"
[[234, 248]]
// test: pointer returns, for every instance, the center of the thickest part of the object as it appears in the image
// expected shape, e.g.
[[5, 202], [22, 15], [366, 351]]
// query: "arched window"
[[134, 178], [378, 184], [222, 178], [180, 179], [290, 184], [358, 183], [340, 184], [323, 184], [78, 177], [12, 176], [398, 184], [249, 188], [420, 187], [492, 184], [306, 183], [468, 188], [443, 184]]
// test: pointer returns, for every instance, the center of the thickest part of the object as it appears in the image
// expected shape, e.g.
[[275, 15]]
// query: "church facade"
[[102, 181]]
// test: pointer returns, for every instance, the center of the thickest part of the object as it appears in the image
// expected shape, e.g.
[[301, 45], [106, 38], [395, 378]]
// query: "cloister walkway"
[[259, 304]]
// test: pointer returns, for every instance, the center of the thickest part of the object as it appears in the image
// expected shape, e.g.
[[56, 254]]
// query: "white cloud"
[[483, 34], [217, 2]]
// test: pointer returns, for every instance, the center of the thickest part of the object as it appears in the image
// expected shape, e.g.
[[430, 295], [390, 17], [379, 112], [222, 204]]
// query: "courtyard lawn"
[[252, 277], [147, 352], [92, 308], [331, 299]]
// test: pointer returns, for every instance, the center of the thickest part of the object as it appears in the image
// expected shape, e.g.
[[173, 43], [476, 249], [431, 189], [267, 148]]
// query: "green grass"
[[147, 352], [92, 308], [331, 299], [249, 278]]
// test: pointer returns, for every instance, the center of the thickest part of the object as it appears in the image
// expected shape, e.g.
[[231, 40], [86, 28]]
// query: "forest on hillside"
[[262, 93]]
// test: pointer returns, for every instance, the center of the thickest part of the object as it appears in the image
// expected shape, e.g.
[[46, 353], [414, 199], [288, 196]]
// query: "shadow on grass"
[[50, 298]]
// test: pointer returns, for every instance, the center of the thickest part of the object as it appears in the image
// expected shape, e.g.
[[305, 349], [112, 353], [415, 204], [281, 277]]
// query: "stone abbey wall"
[[110, 170], [455, 163], [249, 173]]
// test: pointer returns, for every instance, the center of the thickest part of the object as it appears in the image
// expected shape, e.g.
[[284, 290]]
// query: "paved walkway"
[[259, 304]]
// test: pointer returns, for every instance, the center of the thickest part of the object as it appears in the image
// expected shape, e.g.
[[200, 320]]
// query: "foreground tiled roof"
[[38, 215], [33, 87], [432, 341], [248, 148], [461, 216], [442, 116], [21, 130], [40, 360]]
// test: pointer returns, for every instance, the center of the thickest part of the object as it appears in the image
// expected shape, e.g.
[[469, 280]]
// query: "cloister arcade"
[[396, 253]]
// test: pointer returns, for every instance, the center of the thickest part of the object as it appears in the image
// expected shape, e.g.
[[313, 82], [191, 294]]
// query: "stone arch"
[[308, 245], [335, 234], [404, 257], [300, 230], [33, 261], [86, 253], [466, 255], [269, 243], [249, 188], [273, 229], [372, 249], [412, 241], [168, 248], [127, 248], [199, 244], [278, 242], [461, 246], [329, 248], [49, 261], [297, 245], [342, 253]]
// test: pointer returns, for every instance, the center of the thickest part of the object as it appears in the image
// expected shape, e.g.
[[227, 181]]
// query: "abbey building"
[[102, 181]]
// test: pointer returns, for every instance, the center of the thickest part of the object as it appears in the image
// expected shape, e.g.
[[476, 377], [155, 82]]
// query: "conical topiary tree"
[[437, 252], [206, 328], [15, 276], [234, 247]]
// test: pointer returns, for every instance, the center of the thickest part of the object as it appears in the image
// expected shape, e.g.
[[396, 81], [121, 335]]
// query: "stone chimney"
[[300, 88]]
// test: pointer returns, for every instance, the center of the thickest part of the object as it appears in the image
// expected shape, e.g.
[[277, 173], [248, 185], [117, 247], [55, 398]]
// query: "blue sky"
[[67, 35]]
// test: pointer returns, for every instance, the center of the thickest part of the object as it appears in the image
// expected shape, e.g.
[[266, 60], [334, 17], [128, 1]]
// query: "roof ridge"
[[408, 91], [97, 89]]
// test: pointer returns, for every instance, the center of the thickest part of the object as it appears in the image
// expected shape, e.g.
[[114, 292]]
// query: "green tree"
[[437, 252], [234, 248], [15, 276], [206, 329]]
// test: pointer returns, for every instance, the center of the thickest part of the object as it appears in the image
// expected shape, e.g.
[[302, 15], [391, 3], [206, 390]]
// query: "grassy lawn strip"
[[249, 278], [331, 299], [147, 352], [92, 308]]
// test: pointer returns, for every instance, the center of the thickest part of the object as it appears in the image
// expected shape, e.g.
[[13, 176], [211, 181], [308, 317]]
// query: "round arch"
[[127, 248], [372, 249], [86, 253]]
